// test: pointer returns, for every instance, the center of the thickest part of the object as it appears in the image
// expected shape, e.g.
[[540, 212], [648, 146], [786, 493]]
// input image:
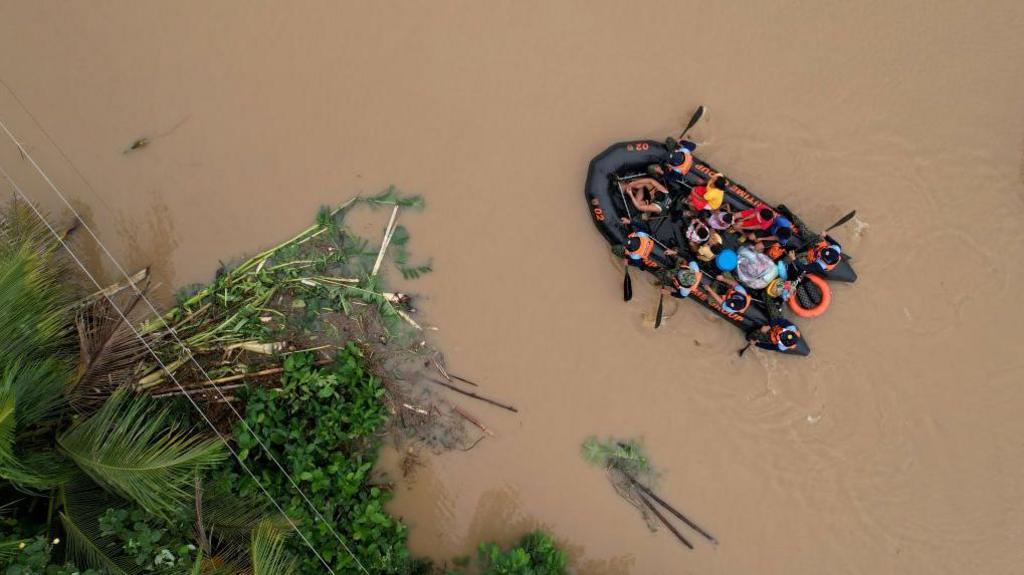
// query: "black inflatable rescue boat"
[[607, 205], [740, 198]]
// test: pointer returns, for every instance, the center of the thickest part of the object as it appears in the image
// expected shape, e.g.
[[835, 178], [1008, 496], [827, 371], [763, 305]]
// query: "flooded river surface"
[[895, 448]]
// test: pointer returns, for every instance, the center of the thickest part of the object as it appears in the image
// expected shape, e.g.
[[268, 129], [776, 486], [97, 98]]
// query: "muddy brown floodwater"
[[895, 448]]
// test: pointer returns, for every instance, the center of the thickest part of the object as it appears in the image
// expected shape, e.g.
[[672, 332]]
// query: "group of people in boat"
[[756, 251]]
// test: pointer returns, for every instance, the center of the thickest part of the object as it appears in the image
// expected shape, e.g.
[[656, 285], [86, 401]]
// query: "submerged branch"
[[664, 521], [472, 420], [473, 395]]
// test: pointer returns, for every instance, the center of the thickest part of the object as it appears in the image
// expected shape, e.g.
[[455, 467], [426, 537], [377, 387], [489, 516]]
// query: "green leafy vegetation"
[[625, 454], [137, 450], [147, 541], [35, 557], [104, 468], [535, 554], [320, 423]]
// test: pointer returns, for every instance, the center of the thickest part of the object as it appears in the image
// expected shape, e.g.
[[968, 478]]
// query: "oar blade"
[[842, 221], [661, 311], [627, 286], [697, 115]]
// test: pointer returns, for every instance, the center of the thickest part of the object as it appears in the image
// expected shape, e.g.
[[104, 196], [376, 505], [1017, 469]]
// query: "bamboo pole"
[[135, 279], [387, 240], [473, 420], [216, 383]]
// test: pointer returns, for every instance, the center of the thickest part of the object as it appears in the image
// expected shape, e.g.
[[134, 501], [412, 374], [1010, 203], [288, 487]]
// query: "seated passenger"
[[821, 257], [780, 236], [637, 251], [758, 218], [638, 247], [680, 159], [709, 196], [721, 220], [781, 232], [648, 195], [778, 335], [697, 232], [736, 300], [684, 280], [710, 249]]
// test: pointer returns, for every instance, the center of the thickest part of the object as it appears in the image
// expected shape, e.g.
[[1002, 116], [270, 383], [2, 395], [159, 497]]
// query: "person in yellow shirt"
[[710, 196]]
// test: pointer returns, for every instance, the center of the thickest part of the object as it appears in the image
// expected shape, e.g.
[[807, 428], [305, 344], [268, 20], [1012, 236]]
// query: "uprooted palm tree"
[[72, 435]]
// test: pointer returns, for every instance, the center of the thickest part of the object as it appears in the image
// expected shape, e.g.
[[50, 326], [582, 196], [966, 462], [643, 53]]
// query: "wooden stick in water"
[[463, 380], [473, 395], [671, 509], [441, 370], [664, 521], [473, 420]]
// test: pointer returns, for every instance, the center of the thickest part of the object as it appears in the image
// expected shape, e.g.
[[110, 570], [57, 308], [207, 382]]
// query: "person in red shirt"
[[757, 218]]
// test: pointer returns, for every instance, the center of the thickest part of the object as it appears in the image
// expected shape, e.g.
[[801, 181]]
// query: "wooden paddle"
[[745, 348], [841, 221], [697, 114], [627, 283], [661, 310], [627, 286]]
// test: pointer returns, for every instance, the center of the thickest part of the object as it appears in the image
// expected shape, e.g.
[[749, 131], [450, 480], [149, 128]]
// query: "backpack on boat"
[[755, 270]]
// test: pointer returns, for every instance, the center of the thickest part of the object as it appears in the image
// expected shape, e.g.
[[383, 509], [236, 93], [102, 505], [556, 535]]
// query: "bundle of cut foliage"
[[631, 474], [316, 288]]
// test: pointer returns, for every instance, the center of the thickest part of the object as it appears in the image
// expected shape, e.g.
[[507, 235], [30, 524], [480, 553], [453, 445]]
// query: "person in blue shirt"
[[736, 300], [684, 280], [819, 258], [778, 335]]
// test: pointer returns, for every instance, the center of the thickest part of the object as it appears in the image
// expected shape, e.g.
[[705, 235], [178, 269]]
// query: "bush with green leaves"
[[320, 427], [535, 554], [35, 557], [150, 543]]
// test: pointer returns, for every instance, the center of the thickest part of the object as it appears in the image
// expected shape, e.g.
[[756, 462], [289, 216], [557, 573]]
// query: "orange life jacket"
[[775, 334], [643, 253], [814, 255], [684, 167], [775, 251], [746, 300]]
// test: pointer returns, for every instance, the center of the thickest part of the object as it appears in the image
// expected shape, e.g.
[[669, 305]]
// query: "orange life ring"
[[826, 299]]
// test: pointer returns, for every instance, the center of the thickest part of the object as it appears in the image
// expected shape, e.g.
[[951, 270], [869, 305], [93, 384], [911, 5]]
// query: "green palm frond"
[[267, 551], [28, 396], [34, 318], [229, 515], [86, 545], [19, 226], [38, 388], [83, 503], [136, 449]]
